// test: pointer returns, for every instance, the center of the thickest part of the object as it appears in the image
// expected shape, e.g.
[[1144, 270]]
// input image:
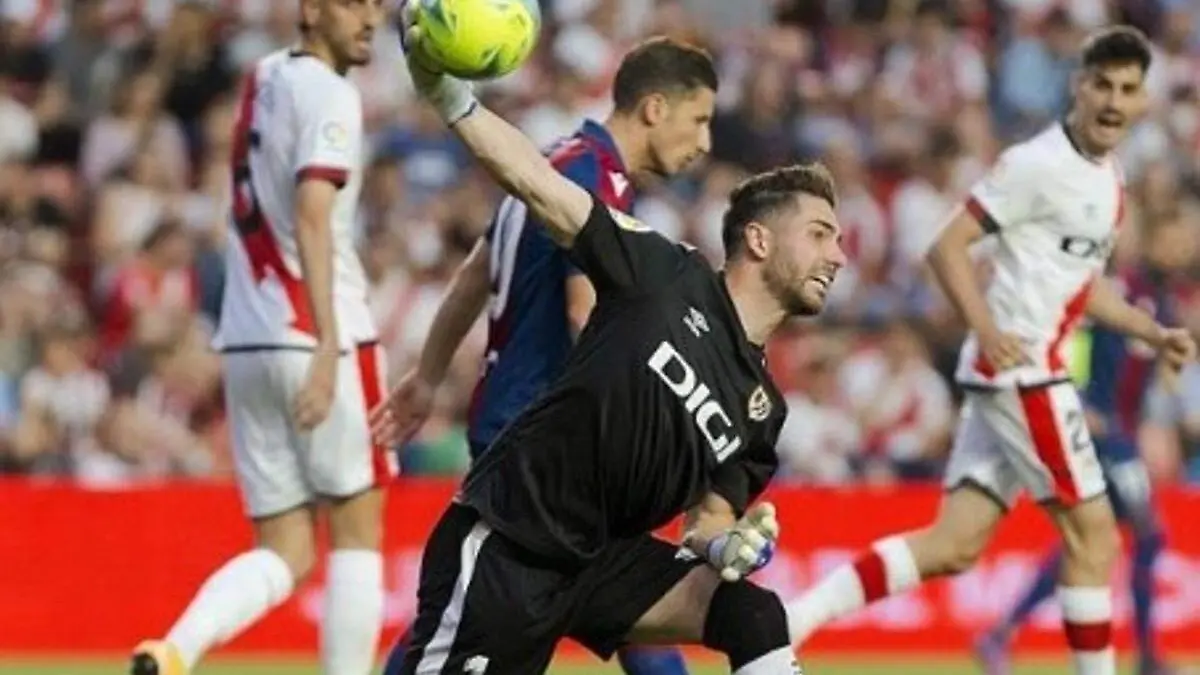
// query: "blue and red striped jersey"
[[1122, 368], [529, 334]]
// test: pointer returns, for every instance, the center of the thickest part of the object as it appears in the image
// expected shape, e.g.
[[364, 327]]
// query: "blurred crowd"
[[115, 127]]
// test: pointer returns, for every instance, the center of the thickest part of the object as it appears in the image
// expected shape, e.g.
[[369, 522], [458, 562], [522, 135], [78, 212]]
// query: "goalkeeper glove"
[[747, 546], [451, 97]]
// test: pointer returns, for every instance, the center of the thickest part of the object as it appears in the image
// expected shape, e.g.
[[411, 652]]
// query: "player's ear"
[[654, 109], [759, 240], [309, 9]]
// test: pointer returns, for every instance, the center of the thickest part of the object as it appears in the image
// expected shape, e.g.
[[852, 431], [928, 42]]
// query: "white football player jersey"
[[1055, 213], [298, 119]]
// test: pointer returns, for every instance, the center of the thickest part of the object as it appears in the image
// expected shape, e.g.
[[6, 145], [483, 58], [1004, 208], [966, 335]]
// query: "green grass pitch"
[[899, 665]]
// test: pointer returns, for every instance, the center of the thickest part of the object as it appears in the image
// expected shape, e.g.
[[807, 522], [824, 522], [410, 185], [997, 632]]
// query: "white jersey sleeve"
[[328, 131], [1008, 194]]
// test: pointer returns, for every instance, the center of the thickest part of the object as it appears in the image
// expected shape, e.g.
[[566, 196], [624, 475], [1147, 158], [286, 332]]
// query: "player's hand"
[[312, 404], [1177, 348], [747, 546], [404, 411], [1004, 351], [452, 97]]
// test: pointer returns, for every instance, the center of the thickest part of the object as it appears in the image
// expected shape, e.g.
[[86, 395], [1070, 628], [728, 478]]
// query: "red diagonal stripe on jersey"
[[1072, 313], [252, 226], [1048, 442]]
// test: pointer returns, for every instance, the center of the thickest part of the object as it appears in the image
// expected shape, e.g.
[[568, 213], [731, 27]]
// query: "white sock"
[[1087, 621], [232, 599], [782, 661], [353, 612], [887, 568]]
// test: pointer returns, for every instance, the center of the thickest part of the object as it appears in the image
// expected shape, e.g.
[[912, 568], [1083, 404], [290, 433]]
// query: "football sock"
[[887, 568], [747, 624], [651, 661], [395, 657], [781, 661], [1087, 621], [353, 612], [233, 598]]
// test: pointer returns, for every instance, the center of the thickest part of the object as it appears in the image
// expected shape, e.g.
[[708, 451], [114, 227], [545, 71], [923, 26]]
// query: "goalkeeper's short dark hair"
[[767, 194]]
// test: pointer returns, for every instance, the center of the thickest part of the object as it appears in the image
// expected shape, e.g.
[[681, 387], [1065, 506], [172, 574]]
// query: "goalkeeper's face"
[[679, 134], [347, 27]]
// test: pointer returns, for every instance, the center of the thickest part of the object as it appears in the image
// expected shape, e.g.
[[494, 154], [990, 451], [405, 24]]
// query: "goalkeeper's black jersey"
[[662, 400]]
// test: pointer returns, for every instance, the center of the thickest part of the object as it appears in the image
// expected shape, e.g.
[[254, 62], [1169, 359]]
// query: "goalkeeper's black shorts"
[[486, 604]]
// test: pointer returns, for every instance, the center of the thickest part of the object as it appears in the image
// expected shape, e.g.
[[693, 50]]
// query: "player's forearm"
[[951, 264], [706, 521], [521, 169], [1108, 307], [464, 301], [315, 241]]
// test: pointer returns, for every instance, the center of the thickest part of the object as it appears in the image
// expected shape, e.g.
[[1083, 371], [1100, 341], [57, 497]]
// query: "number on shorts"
[[505, 242], [1078, 431]]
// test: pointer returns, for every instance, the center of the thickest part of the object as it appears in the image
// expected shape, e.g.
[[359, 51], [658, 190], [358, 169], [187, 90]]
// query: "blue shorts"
[[1127, 479]]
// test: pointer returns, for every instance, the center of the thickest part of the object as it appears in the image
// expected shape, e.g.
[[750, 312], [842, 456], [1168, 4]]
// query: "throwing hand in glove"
[[743, 548], [450, 96]]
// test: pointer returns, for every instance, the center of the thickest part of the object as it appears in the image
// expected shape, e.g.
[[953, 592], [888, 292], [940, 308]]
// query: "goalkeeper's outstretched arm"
[[506, 153], [521, 169]]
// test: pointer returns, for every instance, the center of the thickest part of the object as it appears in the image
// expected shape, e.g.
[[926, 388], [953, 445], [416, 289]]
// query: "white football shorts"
[[279, 468], [1034, 438]]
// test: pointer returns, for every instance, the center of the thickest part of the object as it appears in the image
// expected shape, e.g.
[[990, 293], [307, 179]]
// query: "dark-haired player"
[[663, 97], [664, 406], [300, 355], [1054, 203], [1118, 380]]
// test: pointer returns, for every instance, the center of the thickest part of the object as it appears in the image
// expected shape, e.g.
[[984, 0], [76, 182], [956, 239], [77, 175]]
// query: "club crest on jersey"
[[627, 222], [760, 404]]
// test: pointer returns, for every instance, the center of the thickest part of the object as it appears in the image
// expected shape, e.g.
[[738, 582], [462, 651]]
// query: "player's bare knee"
[[290, 536], [958, 537], [356, 522], [941, 552], [1091, 540], [945, 549]]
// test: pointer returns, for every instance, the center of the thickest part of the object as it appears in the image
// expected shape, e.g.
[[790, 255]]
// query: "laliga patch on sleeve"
[[627, 222], [335, 137]]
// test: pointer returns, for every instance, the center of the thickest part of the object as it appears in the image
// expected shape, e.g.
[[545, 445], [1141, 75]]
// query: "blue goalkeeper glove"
[[747, 546]]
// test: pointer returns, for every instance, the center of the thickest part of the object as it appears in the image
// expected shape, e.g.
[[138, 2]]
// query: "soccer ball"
[[477, 39]]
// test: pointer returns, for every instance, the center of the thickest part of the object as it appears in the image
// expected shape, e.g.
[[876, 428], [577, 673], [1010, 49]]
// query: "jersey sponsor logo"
[[1083, 247], [760, 404], [695, 321], [708, 413], [627, 222]]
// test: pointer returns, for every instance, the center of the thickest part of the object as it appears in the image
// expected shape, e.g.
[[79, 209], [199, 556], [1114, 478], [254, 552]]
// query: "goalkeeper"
[[664, 407]]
